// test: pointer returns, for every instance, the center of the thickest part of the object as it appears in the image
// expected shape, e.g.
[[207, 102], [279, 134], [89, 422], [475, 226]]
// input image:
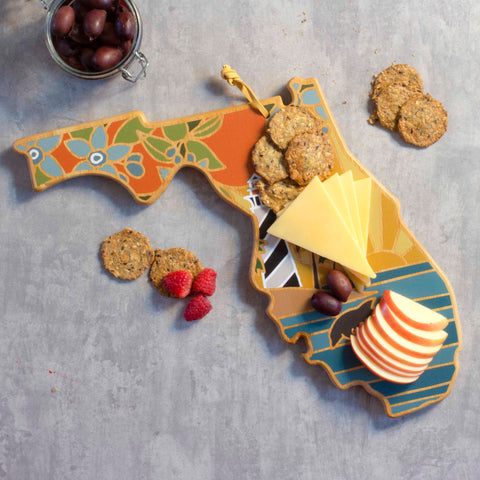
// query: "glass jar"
[[132, 67]]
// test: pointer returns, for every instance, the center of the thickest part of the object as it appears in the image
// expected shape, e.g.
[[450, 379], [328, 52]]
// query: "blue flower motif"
[[97, 153], [38, 153]]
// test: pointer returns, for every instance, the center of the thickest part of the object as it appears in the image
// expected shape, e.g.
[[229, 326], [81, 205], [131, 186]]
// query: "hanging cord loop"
[[232, 77]]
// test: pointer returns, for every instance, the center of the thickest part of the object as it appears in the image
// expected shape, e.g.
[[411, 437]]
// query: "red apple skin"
[[386, 362], [439, 324], [422, 337], [392, 351]]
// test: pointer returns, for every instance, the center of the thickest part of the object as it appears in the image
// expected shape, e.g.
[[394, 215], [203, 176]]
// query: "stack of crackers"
[[294, 150], [401, 105]]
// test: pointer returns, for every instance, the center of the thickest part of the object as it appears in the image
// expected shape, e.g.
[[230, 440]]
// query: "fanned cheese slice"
[[350, 192], [335, 191], [363, 189], [312, 221]]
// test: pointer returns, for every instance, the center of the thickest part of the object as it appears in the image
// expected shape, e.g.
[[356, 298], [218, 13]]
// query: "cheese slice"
[[363, 189], [334, 188], [312, 221], [350, 193]]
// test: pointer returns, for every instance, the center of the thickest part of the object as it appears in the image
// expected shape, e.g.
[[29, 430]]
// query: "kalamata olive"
[[325, 303], [106, 57], [126, 47], [109, 36], [125, 25], [86, 56], [339, 284], [62, 21], [106, 4], [66, 48], [94, 22]]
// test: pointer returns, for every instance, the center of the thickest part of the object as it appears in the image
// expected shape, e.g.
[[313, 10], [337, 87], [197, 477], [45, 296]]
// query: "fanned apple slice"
[[413, 313], [422, 337], [383, 359], [374, 368]]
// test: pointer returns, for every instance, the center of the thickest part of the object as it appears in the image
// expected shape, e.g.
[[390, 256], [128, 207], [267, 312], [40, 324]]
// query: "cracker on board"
[[127, 254], [268, 160], [402, 74], [309, 155], [279, 194], [389, 102], [171, 260], [290, 121], [422, 120]]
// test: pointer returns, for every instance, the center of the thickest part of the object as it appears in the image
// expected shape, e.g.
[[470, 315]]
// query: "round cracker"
[[279, 194], [291, 121], [422, 121], [403, 74], [268, 161], [172, 260], [127, 254], [389, 102], [309, 155]]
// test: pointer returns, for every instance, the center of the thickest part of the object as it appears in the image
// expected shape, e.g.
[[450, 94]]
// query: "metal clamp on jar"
[[95, 39]]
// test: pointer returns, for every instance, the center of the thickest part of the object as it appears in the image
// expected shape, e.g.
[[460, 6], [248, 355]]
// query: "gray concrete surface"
[[137, 393]]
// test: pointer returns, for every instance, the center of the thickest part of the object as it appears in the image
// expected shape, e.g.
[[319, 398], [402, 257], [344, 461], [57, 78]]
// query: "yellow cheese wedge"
[[350, 193], [363, 189], [334, 188], [312, 221]]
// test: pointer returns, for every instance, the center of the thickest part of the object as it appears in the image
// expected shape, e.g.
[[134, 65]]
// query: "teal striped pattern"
[[420, 282]]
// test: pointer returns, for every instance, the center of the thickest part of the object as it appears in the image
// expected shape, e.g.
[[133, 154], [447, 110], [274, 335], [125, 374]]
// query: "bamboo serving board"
[[145, 156]]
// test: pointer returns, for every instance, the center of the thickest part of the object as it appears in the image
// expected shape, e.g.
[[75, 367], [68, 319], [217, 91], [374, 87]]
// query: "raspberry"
[[205, 282], [197, 308], [178, 283]]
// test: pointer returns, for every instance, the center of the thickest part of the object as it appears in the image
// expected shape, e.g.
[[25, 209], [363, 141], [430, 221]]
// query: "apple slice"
[[374, 337], [394, 338], [384, 360], [375, 369], [413, 313], [422, 337]]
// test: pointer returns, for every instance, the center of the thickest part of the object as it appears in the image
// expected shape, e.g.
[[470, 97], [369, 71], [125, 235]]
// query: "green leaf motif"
[[83, 134], [304, 87], [225, 192], [258, 265], [192, 124], [156, 154], [208, 127], [128, 133], [175, 132], [40, 177], [158, 144], [202, 152]]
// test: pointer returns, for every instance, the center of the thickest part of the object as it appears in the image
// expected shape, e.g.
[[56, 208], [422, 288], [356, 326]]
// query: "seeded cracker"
[[127, 254], [268, 161], [422, 121], [404, 75], [279, 194], [167, 261], [290, 121], [389, 102], [309, 155]]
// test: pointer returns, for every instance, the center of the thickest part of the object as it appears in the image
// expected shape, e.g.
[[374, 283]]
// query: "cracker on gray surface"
[[268, 161], [402, 74], [422, 120], [127, 254], [389, 102], [290, 121], [279, 194], [309, 155], [172, 260]]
